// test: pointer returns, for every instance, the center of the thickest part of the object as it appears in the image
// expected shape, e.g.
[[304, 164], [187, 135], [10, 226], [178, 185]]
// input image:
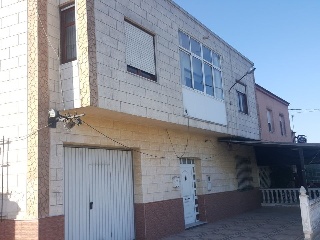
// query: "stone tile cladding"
[[217, 206], [159, 219], [122, 91], [13, 104], [87, 52], [51, 228], [154, 169], [38, 105]]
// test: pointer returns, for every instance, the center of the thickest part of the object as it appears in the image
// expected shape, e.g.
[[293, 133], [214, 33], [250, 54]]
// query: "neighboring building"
[[273, 116], [274, 127], [153, 83]]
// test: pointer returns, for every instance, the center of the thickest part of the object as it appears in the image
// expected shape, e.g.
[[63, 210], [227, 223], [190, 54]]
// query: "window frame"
[[282, 123], [63, 27], [243, 108], [270, 121], [136, 71], [203, 61]]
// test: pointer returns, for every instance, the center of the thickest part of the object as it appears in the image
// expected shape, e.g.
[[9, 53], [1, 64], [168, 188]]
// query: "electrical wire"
[[16, 139], [55, 51], [304, 111], [301, 109], [119, 143], [174, 150], [185, 148]]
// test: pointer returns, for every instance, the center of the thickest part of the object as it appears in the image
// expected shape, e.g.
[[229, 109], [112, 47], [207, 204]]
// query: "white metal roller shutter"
[[139, 49], [101, 180]]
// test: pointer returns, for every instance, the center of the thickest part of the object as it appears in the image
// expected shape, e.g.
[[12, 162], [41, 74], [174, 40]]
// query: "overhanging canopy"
[[279, 153]]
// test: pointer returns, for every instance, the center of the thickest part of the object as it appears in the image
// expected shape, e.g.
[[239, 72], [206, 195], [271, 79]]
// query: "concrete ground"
[[276, 223]]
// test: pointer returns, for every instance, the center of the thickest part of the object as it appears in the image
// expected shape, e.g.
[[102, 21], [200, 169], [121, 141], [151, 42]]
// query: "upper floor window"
[[270, 121], [282, 125], [68, 35], [140, 55], [242, 102], [200, 67]]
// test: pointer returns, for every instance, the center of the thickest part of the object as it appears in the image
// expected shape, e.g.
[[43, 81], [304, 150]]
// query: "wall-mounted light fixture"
[[251, 70], [69, 120]]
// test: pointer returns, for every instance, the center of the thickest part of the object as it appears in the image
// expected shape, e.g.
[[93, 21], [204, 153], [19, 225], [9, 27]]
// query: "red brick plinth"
[[217, 206], [41, 229], [159, 219]]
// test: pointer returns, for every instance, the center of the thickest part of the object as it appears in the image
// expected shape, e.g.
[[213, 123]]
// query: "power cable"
[[16, 139], [307, 109], [59, 69], [117, 142], [172, 144], [185, 148]]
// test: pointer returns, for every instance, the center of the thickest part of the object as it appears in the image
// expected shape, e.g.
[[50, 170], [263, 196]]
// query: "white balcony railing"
[[285, 196]]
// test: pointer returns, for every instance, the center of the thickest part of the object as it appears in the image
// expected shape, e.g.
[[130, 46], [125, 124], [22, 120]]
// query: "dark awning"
[[279, 153]]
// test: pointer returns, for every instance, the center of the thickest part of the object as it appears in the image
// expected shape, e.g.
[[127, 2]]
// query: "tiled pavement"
[[276, 223]]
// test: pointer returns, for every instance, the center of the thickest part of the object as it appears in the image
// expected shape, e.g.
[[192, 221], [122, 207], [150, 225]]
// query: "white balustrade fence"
[[310, 214], [285, 196]]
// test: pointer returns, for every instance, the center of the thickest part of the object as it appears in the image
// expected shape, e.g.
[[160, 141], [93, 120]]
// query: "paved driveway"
[[278, 223]]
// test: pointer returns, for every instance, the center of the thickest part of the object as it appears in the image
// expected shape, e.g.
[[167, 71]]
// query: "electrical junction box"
[[176, 182]]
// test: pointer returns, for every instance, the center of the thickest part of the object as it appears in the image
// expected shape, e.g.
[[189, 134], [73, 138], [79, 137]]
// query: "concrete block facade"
[[122, 91], [122, 111], [156, 159], [13, 94]]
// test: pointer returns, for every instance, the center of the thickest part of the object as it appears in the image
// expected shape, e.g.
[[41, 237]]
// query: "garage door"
[[98, 192]]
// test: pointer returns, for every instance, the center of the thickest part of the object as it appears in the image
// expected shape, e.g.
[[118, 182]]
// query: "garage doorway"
[[98, 194]]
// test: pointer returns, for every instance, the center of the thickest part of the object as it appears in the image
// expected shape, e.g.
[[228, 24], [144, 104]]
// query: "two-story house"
[[273, 116], [156, 88], [275, 127]]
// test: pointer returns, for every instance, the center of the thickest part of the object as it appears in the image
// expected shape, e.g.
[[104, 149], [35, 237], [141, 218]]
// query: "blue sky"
[[282, 38]]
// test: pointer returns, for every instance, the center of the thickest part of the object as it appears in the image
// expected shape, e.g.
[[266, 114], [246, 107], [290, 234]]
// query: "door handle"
[[90, 205]]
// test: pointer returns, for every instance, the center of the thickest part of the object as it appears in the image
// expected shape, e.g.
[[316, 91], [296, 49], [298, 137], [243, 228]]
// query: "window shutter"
[[139, 49]]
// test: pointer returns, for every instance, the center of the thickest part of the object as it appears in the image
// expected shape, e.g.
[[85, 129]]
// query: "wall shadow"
[[8, 212]]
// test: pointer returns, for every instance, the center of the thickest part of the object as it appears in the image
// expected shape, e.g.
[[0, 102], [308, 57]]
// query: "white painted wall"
[[13, 105], [203, 107]]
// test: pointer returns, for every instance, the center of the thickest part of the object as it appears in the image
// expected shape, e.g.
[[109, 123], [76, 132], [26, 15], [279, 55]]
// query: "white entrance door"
[[188, 190], [98, 194]]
